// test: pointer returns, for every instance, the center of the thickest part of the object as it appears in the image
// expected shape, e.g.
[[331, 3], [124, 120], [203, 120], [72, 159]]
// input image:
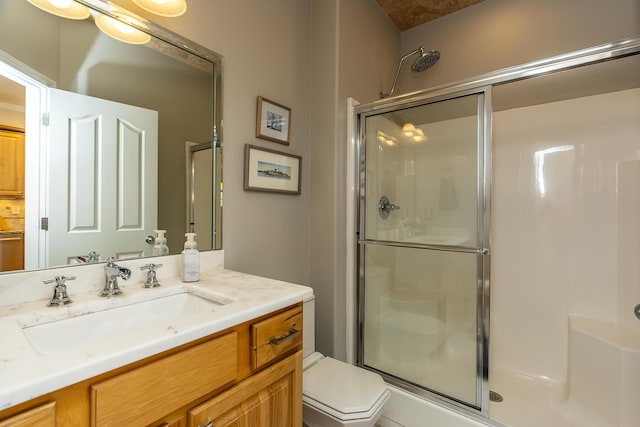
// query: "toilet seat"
[[343, 391]]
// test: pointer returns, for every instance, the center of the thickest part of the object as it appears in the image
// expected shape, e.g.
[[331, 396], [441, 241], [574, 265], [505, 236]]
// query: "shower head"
[[424, 61]]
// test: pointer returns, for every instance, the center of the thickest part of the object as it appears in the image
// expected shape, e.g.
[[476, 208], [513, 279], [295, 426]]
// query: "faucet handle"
[[60, 296], [90, 258], [151, 267], [60, 280], [152, 279], [93, 257]]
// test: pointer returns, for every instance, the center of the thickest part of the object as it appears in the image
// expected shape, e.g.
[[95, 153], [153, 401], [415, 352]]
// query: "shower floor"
[[530, 402]]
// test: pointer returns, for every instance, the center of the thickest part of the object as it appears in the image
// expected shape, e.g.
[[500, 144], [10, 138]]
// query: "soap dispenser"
[[160, 248], [190, 259]]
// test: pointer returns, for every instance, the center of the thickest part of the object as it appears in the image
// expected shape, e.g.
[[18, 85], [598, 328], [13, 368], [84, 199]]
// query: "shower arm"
[[419, 50]]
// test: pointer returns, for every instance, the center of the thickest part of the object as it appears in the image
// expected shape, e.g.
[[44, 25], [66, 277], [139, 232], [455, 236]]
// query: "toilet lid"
[[343, 387]]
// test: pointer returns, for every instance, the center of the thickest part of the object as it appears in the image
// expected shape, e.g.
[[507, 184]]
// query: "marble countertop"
[[25, 374]]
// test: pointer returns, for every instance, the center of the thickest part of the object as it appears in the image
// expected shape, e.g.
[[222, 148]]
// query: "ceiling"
[[407, 14]]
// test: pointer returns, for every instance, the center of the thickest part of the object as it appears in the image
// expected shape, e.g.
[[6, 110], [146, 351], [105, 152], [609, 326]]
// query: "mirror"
[[176, 80]]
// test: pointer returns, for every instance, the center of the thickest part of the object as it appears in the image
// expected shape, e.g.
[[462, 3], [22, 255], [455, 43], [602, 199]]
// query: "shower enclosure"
[[424, 245], [564, 134]]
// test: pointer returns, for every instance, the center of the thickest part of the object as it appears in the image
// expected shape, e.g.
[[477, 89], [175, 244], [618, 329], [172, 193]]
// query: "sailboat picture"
[[273, 170]]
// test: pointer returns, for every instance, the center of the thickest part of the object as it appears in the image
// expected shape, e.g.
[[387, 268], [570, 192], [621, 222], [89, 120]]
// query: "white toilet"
[[334, 393]]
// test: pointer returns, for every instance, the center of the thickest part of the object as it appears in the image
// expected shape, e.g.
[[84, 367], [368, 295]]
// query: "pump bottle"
[[160, 248], [190, 259]]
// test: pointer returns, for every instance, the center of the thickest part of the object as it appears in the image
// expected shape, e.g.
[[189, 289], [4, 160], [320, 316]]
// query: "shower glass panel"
[[423, 247], [424, 161]]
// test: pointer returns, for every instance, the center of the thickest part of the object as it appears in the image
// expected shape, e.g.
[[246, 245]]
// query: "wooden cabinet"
[[11, 163], [271, 398], [41, 416], [211, 379]]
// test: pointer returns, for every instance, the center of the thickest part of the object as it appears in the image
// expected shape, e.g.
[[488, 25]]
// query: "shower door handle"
[[385, 206]]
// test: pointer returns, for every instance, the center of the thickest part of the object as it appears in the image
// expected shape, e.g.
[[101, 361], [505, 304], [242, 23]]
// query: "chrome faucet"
[[112, 271], [60, 296], [152, 278]]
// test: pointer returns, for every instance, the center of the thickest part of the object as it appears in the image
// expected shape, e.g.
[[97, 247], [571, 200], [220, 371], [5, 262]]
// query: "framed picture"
[[270, 170], [273, 121]]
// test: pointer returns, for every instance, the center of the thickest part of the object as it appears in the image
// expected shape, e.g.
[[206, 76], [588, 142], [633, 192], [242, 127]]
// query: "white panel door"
[[103, 176]]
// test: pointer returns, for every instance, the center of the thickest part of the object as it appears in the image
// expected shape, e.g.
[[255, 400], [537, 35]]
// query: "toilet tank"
[[308, 327]]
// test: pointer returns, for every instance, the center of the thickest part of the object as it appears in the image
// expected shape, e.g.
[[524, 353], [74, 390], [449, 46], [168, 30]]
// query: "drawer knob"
[[293, 332], [209, 424]]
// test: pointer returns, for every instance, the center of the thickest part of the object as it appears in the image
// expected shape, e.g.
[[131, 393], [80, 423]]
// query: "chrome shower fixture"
[[425, 61]]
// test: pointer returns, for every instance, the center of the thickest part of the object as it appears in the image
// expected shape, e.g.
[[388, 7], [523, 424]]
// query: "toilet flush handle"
[[293, 332]]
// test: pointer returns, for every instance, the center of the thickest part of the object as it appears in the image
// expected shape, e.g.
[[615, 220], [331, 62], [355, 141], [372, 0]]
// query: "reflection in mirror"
[[106, 132]]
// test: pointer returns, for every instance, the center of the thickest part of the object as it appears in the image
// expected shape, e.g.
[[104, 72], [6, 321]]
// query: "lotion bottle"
[[190, 259], [160, 248]]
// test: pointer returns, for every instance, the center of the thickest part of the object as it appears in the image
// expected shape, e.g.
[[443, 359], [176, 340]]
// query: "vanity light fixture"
[[69, 9], [121, 31], [168, 8], [408, 129], [419, 136], [414, 134]]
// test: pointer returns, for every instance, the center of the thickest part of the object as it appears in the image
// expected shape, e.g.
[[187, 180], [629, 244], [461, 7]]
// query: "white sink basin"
[[64, 335]]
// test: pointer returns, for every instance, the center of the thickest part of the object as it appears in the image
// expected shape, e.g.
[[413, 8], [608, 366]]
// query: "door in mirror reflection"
[[200, 206], [102, 178]]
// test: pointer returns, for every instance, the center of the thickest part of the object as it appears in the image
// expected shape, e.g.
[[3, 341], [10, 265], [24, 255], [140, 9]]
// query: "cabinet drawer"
[[41, 416], [145, 394], [275, 336]]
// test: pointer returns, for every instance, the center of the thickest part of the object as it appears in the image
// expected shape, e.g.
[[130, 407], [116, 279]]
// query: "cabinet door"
[[42, 416], [11, 163], [272, 398]]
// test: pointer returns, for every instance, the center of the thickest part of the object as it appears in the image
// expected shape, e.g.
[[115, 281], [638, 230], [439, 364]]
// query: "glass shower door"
[[423, 247]]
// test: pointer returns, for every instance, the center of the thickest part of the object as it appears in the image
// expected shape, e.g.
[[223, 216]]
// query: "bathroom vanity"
[[237, 361]]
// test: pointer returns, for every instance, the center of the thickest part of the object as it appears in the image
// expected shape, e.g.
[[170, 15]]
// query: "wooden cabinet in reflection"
[[11, 163]]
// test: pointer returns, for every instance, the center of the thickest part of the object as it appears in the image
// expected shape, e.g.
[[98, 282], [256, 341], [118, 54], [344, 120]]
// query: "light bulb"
[[69, 9], [168, 8], [121, 31], [62, 4], [409, 129]]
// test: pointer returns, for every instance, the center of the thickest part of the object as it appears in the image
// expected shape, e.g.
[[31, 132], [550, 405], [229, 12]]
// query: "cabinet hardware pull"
[[293, 332], [209, 424]]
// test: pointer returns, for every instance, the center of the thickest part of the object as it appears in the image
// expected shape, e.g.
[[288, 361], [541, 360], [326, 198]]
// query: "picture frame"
[[273, 121], [271, 170]]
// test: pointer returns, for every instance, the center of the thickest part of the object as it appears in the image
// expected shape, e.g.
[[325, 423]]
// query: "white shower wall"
[[565, 226]]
